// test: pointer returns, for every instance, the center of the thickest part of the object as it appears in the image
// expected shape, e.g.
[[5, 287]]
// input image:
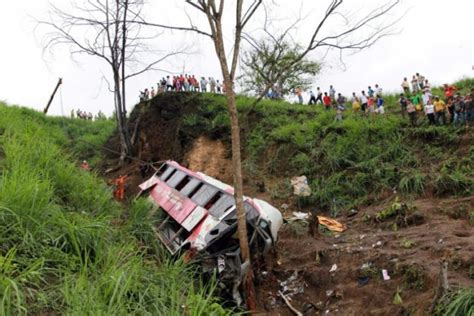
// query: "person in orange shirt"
[[440, 108]]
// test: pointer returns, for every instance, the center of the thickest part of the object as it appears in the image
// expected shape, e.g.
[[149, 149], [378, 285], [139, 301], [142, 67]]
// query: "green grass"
[[345, 162], [60, 251], [457, 303]]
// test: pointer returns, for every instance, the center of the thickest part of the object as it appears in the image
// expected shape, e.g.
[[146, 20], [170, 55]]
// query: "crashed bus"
[[200, 221]]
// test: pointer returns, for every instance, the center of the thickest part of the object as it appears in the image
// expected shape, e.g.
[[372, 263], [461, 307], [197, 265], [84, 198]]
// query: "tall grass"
[[59, 252]]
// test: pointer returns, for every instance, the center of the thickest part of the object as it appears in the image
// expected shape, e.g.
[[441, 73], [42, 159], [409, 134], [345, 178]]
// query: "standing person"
[[355, 102], [327, 101], [430, 113], [459, 110], [420, 79], [319, 95], [469, 108], [186, 82], [212, 84], [403, 101], [378, 91], [341, 100], [414, 84], [440, 108], [340, 108], [147, 94], [380, 103], [406, 86], [299, 94], [370, 92], [312, 98], [415, 99], [203, 84], [196, 84], [364, 101], [427, 87], [448, 91], [371, 105], [152, 92], [426, 97], [411, 110], [332, 92], [218, 86], [169, 83], [450, 108]]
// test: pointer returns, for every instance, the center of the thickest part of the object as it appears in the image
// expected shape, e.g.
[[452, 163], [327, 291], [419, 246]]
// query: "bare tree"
[[357, 33], [213, 12], [106, 29]]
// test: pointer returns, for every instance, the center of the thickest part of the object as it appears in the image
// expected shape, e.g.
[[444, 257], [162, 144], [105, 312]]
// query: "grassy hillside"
[[349, 163], [65, 248]]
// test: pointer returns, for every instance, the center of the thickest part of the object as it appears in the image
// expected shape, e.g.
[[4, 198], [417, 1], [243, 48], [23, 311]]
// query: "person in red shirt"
[[327, 101], [449, 92]]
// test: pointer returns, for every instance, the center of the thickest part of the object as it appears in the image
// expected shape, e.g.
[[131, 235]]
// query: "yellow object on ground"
[[332, 224]]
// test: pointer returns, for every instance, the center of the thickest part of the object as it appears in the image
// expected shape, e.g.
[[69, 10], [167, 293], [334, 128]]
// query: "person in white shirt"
[[406, 86], [363, 101], [429, 111], [378, 91]]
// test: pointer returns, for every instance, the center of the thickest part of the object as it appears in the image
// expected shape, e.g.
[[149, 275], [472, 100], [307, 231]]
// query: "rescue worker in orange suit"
[[119, 192]]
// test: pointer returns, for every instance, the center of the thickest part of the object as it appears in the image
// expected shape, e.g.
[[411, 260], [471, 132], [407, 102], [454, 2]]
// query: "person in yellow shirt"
[[440, 108]]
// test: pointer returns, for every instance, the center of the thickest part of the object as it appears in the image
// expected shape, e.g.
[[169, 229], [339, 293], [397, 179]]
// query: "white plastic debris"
[[385, 275], [333, 268], [300, 186], [300, 216]]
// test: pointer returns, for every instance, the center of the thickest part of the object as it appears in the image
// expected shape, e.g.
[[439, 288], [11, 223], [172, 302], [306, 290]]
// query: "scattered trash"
[[332, 224], [329, 293], [284, 206], [363, 280], [287, 302], [366, 265], [292, 286], [377, 244], [440, 241], [352, 213], [264, 273], [457, 248], [385, 275], [300, 216], [300, 186], [362, 236], [220, 264], [333, 268]]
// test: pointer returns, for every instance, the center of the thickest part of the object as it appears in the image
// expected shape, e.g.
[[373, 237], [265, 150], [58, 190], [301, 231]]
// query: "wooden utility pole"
[[60, 81]]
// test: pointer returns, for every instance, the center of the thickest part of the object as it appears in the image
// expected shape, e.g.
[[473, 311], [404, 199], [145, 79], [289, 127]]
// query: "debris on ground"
[[300, 186], [331, 224], [385, 275], [292, 285]]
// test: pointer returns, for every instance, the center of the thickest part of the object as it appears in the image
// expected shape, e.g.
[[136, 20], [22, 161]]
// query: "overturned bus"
[[200, 220]]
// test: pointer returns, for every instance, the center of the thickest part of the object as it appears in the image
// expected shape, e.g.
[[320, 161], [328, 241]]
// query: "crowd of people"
[[451, 108], [88, 116], [416, 100], [183, 83], [369, 102]]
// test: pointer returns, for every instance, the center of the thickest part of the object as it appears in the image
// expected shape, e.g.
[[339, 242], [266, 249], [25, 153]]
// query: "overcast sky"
[[435, 38]]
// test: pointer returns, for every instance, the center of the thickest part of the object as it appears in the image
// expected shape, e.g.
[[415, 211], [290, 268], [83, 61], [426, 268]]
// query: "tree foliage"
[[276, 65]]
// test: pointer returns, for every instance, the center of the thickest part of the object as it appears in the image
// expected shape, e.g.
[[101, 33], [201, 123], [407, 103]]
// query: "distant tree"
[[358, 32], [274, 64], [106, 29]]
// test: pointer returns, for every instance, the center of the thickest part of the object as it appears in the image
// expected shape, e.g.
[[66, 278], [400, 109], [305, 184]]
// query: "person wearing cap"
[[440, 108]]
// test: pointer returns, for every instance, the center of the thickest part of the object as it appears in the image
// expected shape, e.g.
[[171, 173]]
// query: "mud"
[[409, 248]]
